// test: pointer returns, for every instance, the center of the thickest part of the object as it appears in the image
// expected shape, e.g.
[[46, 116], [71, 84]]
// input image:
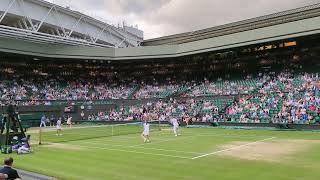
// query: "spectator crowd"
[[283, 96]]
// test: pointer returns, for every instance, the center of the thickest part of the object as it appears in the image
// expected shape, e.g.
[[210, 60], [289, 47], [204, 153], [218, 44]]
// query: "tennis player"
[[59, 128], [146, 132], [69, 122], [175, 124]]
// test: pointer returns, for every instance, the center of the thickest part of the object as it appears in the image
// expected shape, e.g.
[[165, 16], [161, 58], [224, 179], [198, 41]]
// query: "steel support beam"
[[6, 11], [35, 19], [43, 37], [20, 25], [21, 4], [25, 23], [74, 26], [117, 45], [58, 32], [99, 34], [87, 32], [44, 18], [56, 13]]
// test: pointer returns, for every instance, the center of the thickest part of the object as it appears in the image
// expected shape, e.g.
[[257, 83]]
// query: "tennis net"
[[83, 132]]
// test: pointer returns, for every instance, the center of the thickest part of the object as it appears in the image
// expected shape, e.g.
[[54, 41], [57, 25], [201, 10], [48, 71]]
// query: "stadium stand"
[[287, 94]]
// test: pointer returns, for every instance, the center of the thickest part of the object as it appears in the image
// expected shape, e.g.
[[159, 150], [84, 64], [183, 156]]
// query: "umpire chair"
[[10, 127]]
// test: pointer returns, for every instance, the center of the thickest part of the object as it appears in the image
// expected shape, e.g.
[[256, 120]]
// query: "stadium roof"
[[43, 22], [245, 25], [277, 27]]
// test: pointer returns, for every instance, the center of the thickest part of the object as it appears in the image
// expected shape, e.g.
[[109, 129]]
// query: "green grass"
[[169, 157]]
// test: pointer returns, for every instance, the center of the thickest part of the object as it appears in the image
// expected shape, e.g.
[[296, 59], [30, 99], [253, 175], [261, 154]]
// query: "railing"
[[11, 32]]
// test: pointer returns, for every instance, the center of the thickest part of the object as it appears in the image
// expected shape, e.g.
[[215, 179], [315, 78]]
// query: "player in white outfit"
[[175, 124], [146, 132], [69, 123], [59, 129]]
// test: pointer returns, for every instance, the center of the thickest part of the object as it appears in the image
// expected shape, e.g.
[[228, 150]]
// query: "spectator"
[[7, 169], [82, 115]]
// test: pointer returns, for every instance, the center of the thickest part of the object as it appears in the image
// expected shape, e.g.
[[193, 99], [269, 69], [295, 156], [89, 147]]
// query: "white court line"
[[159, 149], [216, 152], [137, 152]]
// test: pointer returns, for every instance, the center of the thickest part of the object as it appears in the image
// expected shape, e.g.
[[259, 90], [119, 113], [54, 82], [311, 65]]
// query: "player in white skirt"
[[146, 132], [59, 128]]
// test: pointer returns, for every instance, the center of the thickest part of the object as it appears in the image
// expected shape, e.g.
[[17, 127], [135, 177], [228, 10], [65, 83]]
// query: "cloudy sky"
[[165, 17]]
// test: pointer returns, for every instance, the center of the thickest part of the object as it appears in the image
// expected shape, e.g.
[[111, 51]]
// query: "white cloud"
[[164, 17]]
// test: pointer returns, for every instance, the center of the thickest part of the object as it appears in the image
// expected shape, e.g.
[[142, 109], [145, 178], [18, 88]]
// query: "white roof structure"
[[43, 22]]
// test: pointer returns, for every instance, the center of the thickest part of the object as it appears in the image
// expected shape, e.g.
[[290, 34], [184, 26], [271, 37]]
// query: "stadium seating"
[[283, 96]]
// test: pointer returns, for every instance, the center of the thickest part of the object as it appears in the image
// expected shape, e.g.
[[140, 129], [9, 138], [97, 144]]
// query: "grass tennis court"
[[199, 153]]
